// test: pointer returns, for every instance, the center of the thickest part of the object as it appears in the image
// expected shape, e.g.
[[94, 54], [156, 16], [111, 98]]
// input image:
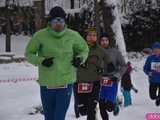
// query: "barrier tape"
[[16, 80]]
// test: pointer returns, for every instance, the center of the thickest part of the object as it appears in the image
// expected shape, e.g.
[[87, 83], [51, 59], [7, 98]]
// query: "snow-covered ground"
[[17, 99]]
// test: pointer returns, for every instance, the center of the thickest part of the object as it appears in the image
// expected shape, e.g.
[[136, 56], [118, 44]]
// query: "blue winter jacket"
[[152, 68]]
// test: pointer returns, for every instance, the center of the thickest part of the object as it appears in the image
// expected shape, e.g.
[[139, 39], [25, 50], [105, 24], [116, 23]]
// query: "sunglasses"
[[57, 20]]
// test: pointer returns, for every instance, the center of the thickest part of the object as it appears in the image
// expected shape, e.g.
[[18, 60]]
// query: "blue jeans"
[[55, 102], [127, 98]]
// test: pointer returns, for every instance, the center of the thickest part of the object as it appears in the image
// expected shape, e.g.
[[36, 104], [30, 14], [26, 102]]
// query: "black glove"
[[47, 62], [100, 70], [134, 89], [76, 61], [84, 65]]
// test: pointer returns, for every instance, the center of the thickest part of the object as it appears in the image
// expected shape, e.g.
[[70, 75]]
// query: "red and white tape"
[[18, 80]]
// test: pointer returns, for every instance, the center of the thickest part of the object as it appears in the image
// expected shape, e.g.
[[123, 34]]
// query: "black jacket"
[[126, 82]]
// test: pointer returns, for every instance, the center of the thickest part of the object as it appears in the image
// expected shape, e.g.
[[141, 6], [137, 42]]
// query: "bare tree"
[[39, 6], [125, 6]]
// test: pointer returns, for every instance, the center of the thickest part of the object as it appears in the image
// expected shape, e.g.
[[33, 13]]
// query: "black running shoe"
[[157, 102]]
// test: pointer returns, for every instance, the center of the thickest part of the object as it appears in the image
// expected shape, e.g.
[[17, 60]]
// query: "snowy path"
[[17, 99]]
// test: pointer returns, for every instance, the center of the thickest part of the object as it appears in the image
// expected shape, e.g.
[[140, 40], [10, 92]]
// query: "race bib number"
[[107, 82], [85, 87], [155, 66]]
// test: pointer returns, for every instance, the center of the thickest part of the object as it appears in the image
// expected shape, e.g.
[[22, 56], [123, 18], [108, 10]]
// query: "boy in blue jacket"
[[152, 69]]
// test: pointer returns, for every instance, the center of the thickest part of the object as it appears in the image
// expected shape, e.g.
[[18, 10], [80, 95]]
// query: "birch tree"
[[112, 24]]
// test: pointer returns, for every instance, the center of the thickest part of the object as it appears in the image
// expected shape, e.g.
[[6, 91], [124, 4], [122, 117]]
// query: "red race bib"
[[106, 82], [85, 87]]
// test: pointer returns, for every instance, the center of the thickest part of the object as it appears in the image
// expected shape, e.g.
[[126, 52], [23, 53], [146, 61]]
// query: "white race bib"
[[85, 87], [107, 82], [155, 66]]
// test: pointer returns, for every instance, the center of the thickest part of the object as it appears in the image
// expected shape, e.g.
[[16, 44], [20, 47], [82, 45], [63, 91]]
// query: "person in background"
[[109, 87], [147, 51], [52, 49], [127, 86], [152, 69]]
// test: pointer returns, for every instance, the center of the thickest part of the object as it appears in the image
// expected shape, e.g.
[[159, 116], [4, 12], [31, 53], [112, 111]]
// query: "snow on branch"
[[77, 10], [110, 2]]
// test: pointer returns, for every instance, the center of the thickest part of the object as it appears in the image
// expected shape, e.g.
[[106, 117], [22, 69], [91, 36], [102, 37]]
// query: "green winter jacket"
[[60, 45]]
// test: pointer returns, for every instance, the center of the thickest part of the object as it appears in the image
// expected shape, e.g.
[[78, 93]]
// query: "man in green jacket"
[[53, 50]]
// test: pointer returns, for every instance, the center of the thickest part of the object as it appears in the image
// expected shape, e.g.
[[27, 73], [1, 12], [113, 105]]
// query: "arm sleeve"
[[147, 66], [107, 58], [31, 51], [81, 48], [122, 65], [110, 70]]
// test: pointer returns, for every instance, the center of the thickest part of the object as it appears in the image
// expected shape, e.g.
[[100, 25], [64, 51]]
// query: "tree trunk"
[[8, 36], [108, 20], [39, 6], [97, 18], [8, 27], [72, 4], [112, 25], [125, 6]]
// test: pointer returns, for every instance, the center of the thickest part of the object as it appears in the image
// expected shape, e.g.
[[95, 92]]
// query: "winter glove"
[[100, 70], [84, 65], [76, 61], [134, 89], [48, 62]]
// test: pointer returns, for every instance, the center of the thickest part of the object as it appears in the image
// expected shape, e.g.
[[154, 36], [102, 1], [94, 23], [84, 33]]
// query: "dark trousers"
[[76, 109], [87, 102], [106, 107], [154, 91], [55, 102]]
